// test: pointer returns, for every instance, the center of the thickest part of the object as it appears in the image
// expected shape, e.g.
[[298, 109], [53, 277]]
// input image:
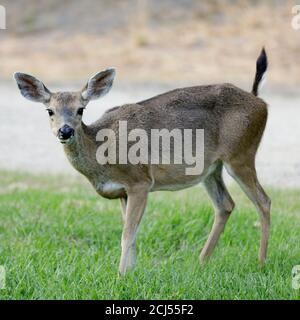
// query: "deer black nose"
[[65, 132]]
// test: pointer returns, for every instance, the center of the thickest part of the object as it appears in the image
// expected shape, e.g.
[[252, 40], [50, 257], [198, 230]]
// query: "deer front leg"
[[123, 202], [132, 251], [136, 204]]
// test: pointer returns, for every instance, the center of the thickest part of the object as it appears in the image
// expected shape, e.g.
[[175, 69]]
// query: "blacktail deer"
[[233, 121]]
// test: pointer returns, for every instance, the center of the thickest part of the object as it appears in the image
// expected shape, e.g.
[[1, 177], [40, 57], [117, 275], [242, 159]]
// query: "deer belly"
[[172, 180]]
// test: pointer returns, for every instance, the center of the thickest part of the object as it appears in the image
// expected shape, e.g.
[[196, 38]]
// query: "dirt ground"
[[166, 41], [154, 45]]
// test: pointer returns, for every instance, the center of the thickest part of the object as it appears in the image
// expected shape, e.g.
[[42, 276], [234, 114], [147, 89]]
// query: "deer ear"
[[32, 88], [98, 85]]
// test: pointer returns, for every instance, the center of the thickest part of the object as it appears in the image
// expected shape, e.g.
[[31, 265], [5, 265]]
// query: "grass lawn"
[[59, 240]]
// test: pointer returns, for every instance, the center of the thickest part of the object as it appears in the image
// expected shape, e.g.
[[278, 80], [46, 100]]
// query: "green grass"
[[59, 240]]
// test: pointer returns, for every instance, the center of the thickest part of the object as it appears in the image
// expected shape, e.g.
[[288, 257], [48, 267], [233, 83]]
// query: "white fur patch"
[[263, 81], [111, 186]]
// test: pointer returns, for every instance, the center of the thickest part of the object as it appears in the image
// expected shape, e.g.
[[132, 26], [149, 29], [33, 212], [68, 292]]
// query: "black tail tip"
[[262, 62], [261, 68]]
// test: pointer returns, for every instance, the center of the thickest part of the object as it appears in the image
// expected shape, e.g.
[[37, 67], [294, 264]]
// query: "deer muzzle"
[[65, 133]]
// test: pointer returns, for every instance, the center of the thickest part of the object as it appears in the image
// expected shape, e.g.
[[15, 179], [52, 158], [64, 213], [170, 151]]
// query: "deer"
[[233, 121]]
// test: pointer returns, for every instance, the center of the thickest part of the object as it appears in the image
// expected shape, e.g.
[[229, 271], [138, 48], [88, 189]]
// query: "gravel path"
[[26, 142]]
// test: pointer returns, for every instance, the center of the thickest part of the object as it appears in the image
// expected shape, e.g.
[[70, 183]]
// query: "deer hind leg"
[[132, 251], [223, 205], [245, 175]]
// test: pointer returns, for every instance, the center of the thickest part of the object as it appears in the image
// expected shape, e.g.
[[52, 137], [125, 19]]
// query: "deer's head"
[[65, 109]]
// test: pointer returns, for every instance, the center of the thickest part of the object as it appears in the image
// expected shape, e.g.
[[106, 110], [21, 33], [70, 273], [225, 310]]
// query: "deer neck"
[[81, 151]]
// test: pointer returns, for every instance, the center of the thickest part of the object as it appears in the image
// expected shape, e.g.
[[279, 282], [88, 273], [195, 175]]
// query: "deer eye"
[[80, 111], [50, 112]]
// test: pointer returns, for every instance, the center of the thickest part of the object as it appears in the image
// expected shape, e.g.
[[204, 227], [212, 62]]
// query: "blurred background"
[[155, 45], [193, 41]]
